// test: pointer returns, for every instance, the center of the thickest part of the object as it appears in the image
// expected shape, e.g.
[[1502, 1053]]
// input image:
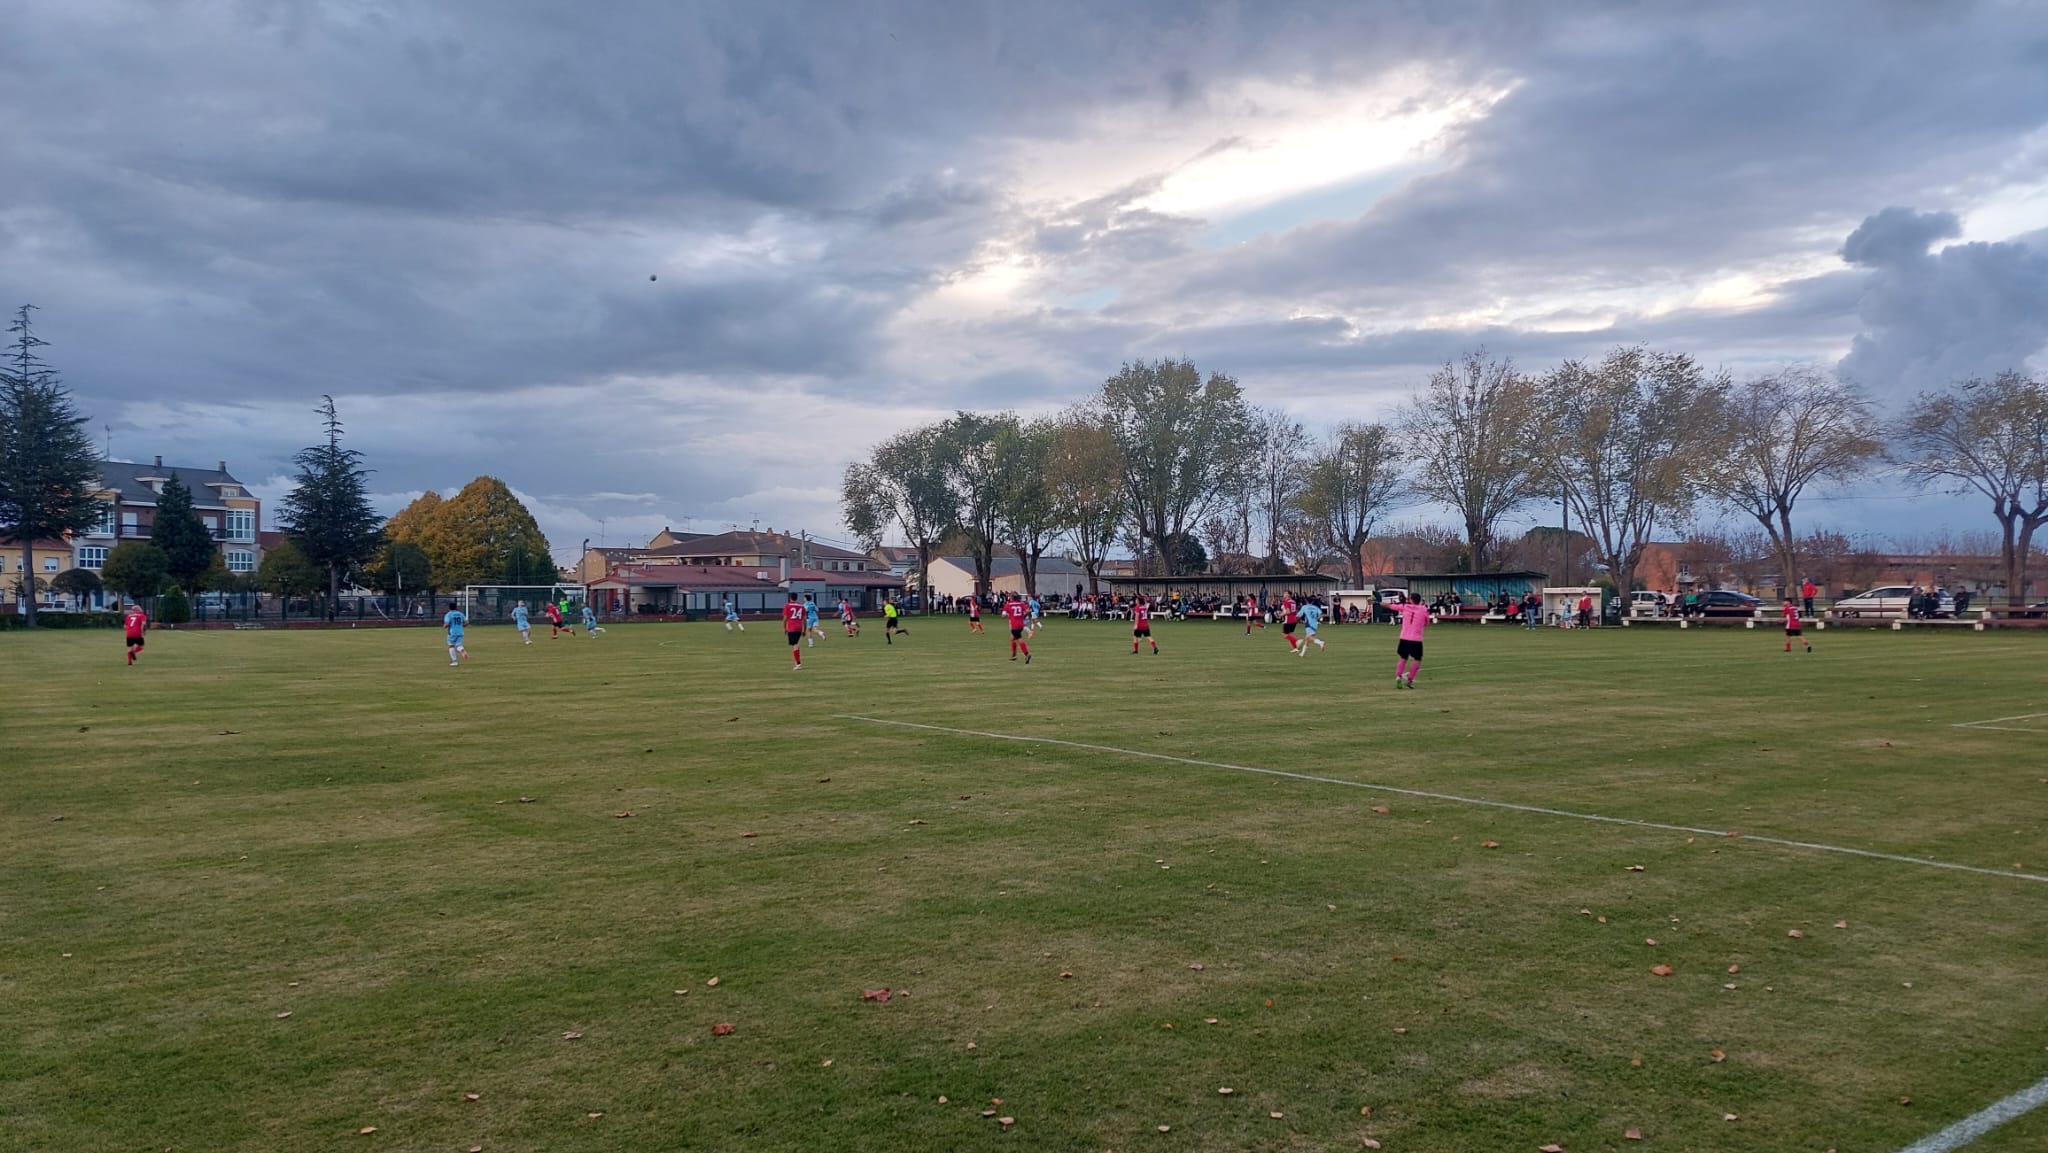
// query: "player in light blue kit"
[[454, 620], [1037, 621], [1311, 620], [732, 616], [519, 619], [590, 628], [811, 630]]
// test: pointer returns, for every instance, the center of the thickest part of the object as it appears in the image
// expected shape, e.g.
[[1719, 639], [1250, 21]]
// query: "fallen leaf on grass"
[[283, 1015], [1731, 1116], [572, 1035], [1226, 1091], [470, 1097], [1841, 924], [722, 1029], [1489, 844], [476, 1149], [1197, 966], [971, 1045], [1065, 975], [1650, 941], [1717, 1055], [749, 835], [1166, 1128], [682, 992], [366, 1130], [1635, 868], [1632, 1134], [1794, 934], [1276, 1116], [713, 982], [1370, 1143], [988, 1112], [1602, 918], [943, 1101], [622, 814], [824, 780], [231, 732], [1365, 1110], [1006, 1122], [1585, 912], [874, 994], [1735, 968], [1553, 1147], [594, 1116], [526, 800], [1729, 985], [1661, 970], [1382, 810], [1208, 1020], [1905, 1100], [1635, 1062], [917, 822], [1400, 1032]]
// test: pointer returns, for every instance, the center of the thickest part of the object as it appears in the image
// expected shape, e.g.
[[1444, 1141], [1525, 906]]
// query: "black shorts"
[[888, 622], [1409, 650], [794, 637], [131, 642], [1016, 634], [1142, 631], [1288, 628], [1791, 632]]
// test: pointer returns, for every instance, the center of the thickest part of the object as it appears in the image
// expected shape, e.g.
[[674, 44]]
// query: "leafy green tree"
[[176, 529], [49, 472], [1182, 441], [77, 583], [327, 513], [970, 449], [136, 569], [215, 577], [402, 566], [1028, 513], [286, 571], [904, 485], [482, 535], [174, 608], [1086, 475]]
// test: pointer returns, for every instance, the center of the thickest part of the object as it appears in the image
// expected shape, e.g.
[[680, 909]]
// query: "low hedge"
[[50, 620]]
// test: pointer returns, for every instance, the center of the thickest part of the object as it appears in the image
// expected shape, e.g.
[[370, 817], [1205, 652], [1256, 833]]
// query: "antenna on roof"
[[110, 441]]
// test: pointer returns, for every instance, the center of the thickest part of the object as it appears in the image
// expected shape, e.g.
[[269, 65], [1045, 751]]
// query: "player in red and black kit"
[[1252, 615], [793, 627], [1018, 613], [1792, 629], [134, 623], [554, 612], [1290, 617], [1141, 626], [974, 615]]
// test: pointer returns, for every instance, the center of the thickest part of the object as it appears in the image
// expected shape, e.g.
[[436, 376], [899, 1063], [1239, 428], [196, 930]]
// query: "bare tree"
[[1782, 433], [1276, 466], [1086, 475], [1471, 427], [1989, 437], [1352, 481], [904, 486], [1180, 438], [1625, 439]]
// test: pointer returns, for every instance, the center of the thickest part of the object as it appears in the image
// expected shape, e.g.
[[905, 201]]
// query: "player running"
[[590, 620], [1141, 626], [890, 618], [555, 625], [1037, 620], [846, 619], [812, 632], [454, 621], [1290, 619], [793, 628], [1252, 615], [1792, 630], [1414, 617], [1311, 620], [525, 626], [974, 615], [134, 622], [732, 616], [1018, 614]]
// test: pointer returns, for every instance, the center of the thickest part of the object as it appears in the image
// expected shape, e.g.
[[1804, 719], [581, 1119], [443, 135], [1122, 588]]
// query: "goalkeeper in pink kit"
[[1414, 617]]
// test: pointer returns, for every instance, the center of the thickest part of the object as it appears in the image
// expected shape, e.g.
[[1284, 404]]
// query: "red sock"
[[1025, 647]]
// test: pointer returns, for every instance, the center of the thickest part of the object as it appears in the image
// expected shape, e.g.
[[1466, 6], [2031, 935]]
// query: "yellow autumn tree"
[[483, 535]]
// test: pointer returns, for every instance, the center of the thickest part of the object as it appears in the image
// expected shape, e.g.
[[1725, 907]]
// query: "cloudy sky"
[[864, 215]]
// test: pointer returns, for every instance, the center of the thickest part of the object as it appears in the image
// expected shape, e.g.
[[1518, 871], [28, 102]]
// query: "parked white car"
[[1888, 601]]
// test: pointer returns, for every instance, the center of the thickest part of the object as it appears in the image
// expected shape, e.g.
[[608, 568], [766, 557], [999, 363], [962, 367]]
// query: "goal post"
[[487, 604]]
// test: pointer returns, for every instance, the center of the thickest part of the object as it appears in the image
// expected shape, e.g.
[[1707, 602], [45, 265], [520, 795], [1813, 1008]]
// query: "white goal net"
[[484, 604]]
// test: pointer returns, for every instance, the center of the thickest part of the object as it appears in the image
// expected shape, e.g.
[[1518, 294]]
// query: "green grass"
[[330, 825]]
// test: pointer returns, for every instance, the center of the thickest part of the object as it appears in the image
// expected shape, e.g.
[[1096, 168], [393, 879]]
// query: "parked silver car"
[[1889, 601]]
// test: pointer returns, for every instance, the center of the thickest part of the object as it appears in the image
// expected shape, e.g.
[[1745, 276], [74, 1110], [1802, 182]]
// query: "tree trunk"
[[1475, 535], [924, 577], [2022, 547], [2014, 597], [28, 580]]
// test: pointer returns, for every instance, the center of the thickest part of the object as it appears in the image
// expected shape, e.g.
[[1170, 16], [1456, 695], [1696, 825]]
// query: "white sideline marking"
[[1983, 1121], [1454, 798], [1996, 724]]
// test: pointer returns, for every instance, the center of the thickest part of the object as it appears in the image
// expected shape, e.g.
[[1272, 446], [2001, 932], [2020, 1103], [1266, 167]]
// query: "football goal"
[[485, 604]]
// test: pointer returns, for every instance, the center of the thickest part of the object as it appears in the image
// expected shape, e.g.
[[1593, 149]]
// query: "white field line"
[[1983, 1121], [1453, 798], [1997, 724]]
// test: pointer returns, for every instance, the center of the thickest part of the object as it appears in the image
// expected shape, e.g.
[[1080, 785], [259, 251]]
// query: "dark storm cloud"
[[447, 215], [1933, 318]]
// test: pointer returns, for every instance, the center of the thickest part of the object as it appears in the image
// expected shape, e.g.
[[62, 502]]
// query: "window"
[[212, 524], [105, 525], [241, 560], [129, 526], [241, 524], [92, 557], [49, 564]]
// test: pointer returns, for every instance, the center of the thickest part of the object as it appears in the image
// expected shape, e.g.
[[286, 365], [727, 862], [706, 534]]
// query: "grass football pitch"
[[319, 890]]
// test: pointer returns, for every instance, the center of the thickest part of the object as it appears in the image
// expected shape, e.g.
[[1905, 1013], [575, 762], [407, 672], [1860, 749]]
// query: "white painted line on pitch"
[[1998, 724], [2000, 728], [1454, 798], [1984, 1121]]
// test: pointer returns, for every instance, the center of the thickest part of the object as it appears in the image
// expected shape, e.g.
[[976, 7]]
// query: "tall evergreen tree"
[[178, 531], [49, 473], [327, 513]]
